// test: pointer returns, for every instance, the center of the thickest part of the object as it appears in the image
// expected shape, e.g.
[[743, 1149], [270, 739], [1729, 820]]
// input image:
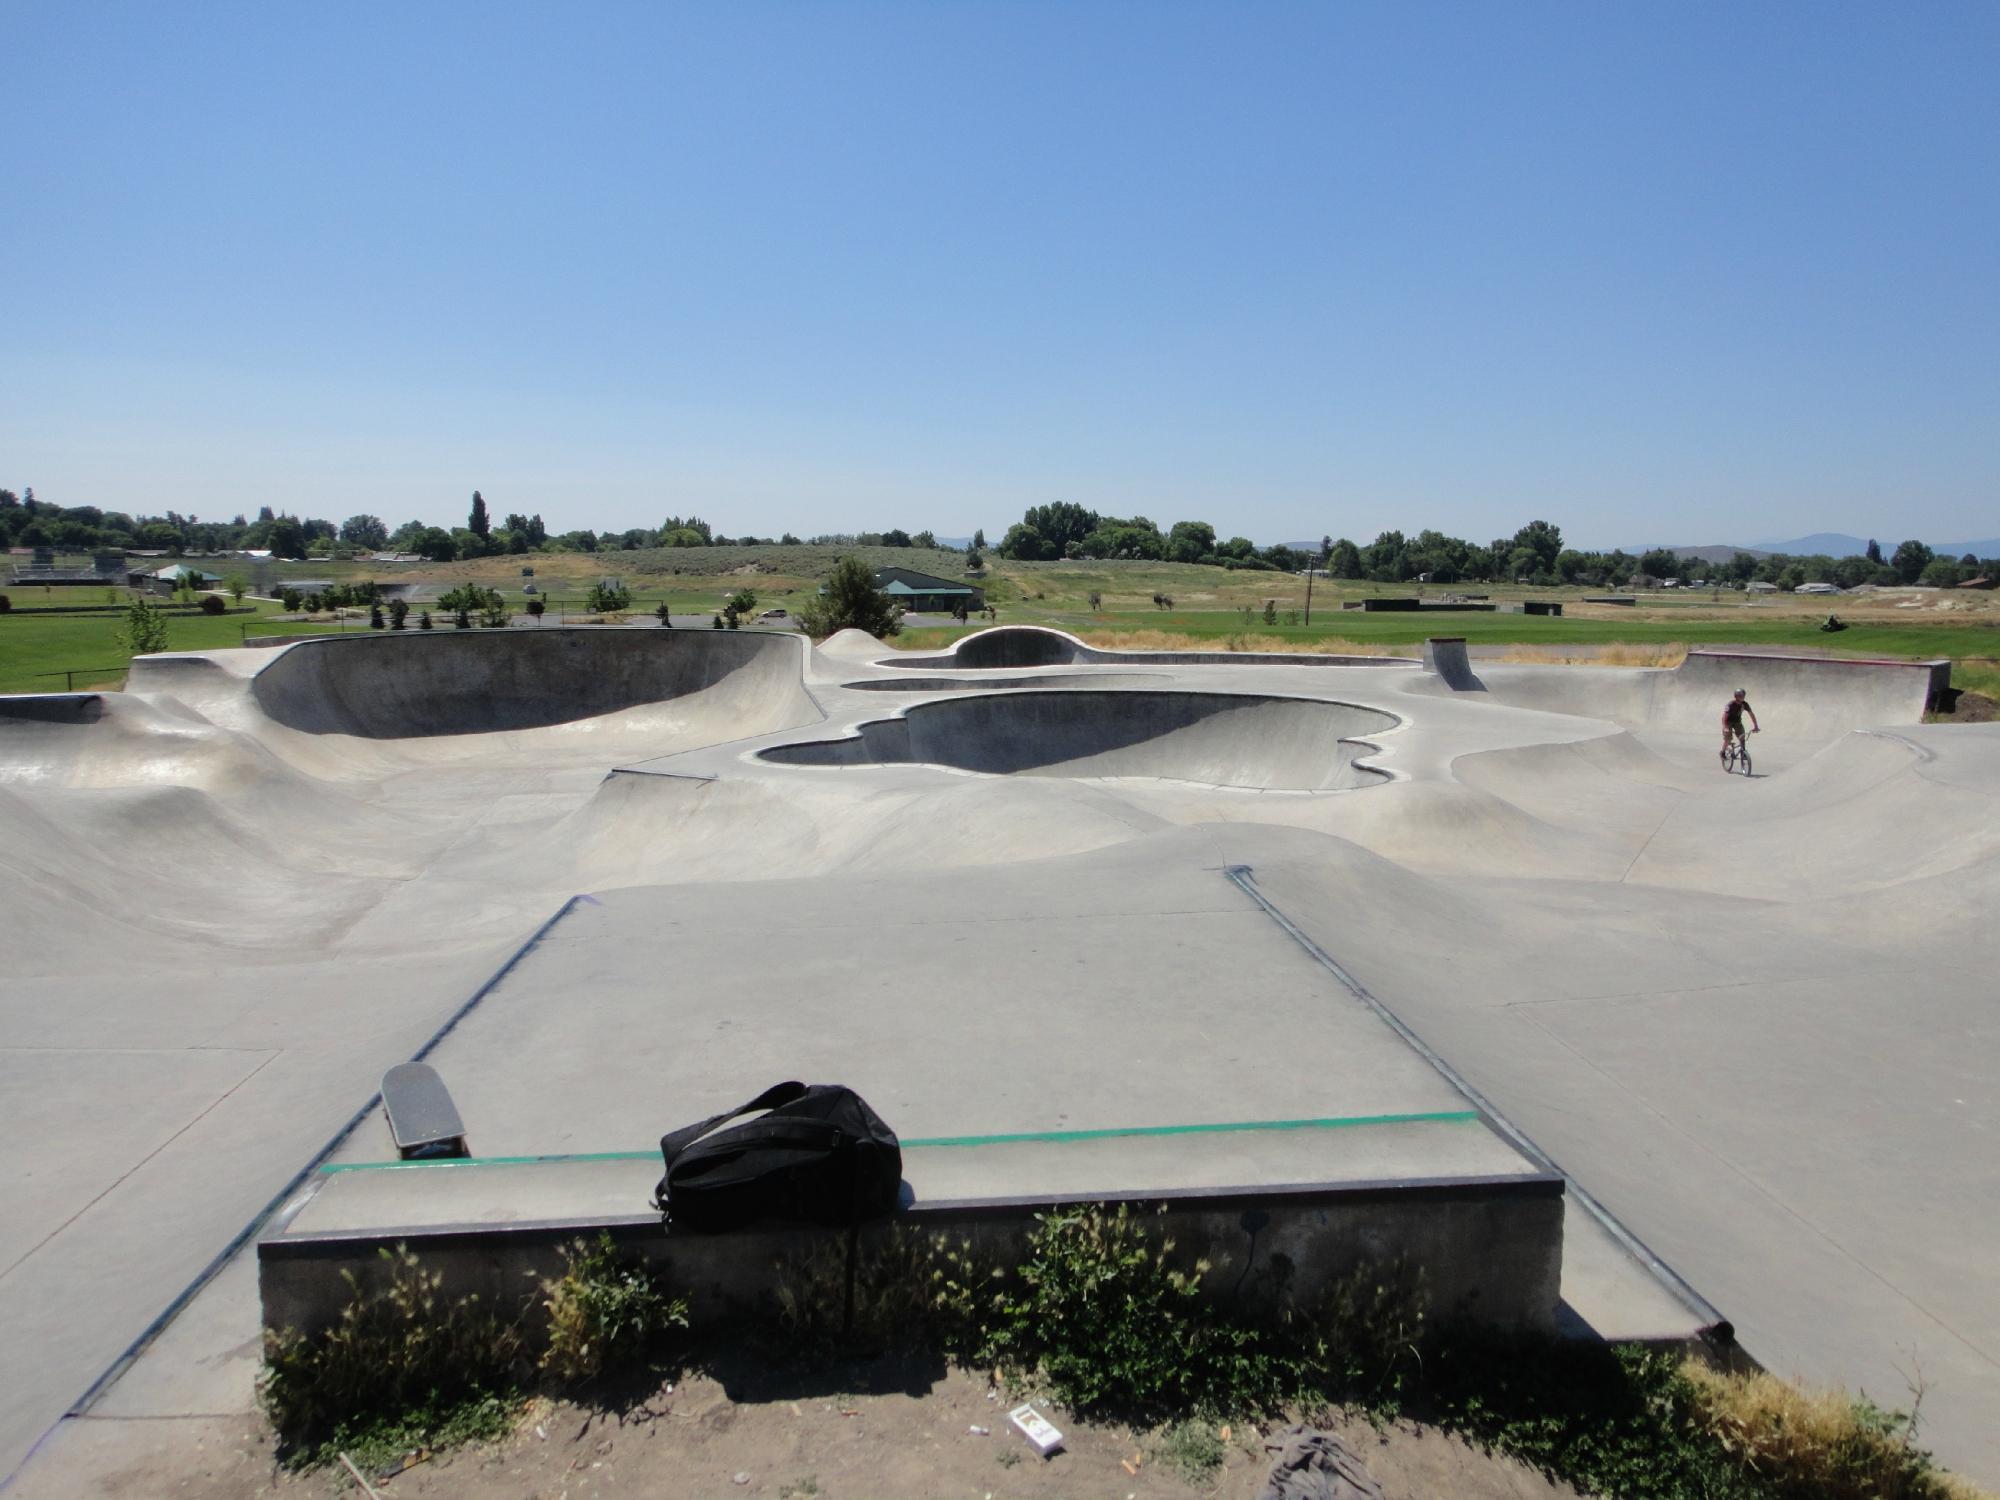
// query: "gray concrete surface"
[[1752, 1016]]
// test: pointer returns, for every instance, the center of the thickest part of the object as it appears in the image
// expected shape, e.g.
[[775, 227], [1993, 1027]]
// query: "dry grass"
[[1169, 640], [1616, 654], [1819, 1443]]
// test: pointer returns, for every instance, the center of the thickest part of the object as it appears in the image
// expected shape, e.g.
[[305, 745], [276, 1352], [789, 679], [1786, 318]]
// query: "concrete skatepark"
[[1063, 913]]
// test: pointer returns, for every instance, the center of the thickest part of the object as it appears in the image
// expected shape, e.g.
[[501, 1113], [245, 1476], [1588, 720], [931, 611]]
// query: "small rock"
[[743, 1478], [977, 1431]]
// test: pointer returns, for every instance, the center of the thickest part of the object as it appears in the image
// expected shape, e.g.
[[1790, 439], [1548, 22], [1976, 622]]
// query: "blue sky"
[[1690, 273]]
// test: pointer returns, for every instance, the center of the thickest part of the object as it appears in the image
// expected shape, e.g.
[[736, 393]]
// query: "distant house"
[[1759, 586], [1817, 588], [920, 591], [1976, 583]]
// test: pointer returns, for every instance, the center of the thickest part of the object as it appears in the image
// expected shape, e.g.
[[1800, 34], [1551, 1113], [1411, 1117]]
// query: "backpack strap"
[[778, 1093]]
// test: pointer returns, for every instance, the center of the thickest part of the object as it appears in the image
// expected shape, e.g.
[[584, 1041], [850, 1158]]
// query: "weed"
[[1193, 1447], [913, 1291], [1362, 1338], [1815, 1443], [375, 1441], [605, 1313], [399, 1355], [1007, 1457], [803, 1489]]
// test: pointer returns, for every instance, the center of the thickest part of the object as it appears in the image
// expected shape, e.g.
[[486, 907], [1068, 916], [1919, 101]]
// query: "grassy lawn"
[[1208, 605], [32, 645]]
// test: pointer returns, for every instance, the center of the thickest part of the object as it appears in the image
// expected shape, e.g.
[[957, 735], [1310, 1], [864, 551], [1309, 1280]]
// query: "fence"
[[70, 674]]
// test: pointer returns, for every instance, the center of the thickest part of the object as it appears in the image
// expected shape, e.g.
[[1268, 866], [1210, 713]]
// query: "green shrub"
[[1618, 1421], [467, 597], [1100, 1309], [423, 619], [609, 597], [605, 1313], [399, 612], [213, 604], [396, 1350], [7, 604]]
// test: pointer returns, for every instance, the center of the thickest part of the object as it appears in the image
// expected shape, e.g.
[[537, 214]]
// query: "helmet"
[[1742, 693]]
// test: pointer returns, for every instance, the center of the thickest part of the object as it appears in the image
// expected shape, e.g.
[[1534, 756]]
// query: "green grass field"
[[1209, 605], [32, 646]]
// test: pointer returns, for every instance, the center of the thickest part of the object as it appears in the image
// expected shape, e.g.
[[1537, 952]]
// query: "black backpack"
[[821, 1155]]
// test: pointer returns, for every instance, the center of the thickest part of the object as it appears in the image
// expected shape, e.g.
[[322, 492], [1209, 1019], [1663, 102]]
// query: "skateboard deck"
[[422, 1118]]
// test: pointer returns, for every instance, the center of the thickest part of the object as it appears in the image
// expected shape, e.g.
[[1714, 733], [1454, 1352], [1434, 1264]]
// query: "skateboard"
[[422, 1118]]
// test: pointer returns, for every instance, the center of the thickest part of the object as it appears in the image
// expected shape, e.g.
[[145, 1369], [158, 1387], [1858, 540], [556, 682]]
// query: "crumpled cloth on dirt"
[[1307, 1464]]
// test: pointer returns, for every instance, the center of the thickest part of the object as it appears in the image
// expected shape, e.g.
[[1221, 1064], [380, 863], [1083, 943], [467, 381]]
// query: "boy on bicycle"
[[1732, 721]]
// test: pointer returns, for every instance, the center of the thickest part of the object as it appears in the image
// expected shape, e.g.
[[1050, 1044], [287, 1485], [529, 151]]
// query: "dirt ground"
[[694, 1440], [1968, 708]]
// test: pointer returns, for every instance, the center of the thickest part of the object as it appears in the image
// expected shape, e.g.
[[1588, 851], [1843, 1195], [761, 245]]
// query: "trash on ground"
[[1310, 1465], [1037, 1429]]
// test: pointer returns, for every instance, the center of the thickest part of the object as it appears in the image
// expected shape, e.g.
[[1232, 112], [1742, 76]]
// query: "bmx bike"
[[1736, 754]]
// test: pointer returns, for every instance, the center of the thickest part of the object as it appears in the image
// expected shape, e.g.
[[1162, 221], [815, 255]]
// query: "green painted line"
[[1338, 1122], [920, 1143]]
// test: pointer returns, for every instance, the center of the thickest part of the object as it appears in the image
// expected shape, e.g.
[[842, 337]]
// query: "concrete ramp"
[[419, 685], [1795, 697], [1444, 658]]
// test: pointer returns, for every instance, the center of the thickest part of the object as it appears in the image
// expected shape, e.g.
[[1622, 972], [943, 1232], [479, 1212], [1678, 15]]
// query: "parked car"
[[772, 614]]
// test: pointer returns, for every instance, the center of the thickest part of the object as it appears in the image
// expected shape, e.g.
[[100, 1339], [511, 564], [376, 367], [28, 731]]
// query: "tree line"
[[1533, 555], [28, 522]]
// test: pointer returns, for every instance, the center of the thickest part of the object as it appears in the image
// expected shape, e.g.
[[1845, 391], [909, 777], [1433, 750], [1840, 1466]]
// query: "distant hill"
[[1709, 554], [1824, 544], [1838, 544]]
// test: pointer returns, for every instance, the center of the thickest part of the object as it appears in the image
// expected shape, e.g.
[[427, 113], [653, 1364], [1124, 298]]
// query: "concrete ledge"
[[1490, 1248]]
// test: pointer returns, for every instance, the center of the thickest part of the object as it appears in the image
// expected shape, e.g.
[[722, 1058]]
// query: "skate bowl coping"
[[1016, 646], [1220, 739], [420, 684]]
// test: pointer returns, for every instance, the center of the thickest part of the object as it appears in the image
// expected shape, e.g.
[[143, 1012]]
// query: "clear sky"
[[1675, 272]]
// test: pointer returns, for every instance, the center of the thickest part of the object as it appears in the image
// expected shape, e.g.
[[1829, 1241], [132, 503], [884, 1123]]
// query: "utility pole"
[[1325, 547]]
